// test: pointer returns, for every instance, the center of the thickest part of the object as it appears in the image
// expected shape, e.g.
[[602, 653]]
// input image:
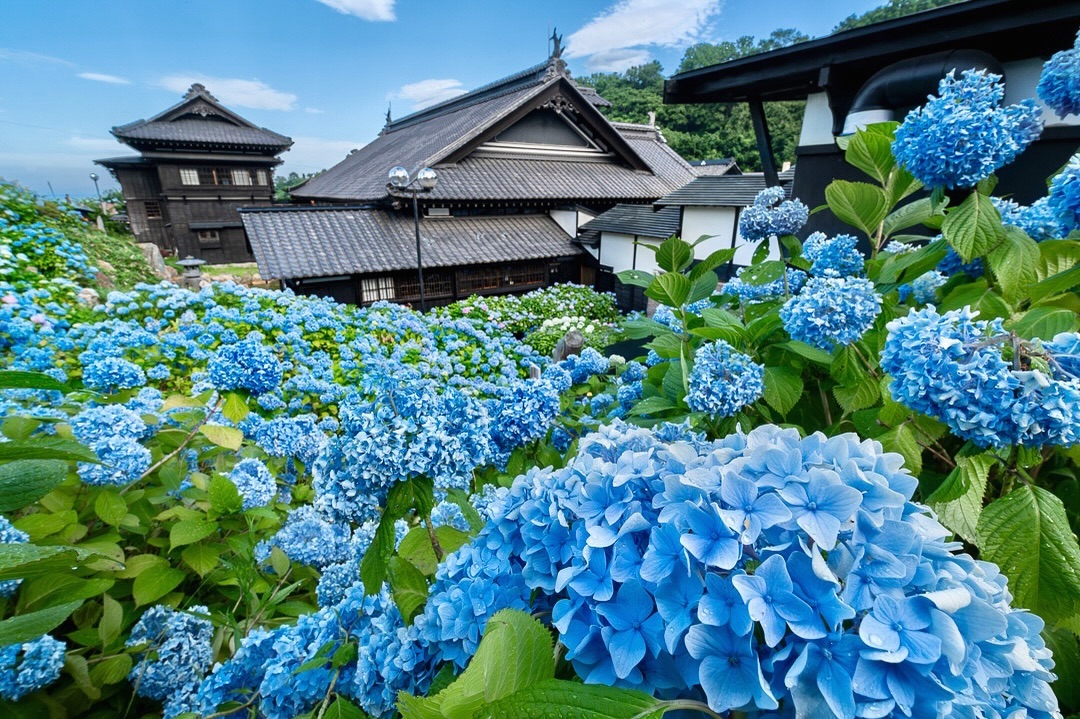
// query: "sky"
[[320, 71]]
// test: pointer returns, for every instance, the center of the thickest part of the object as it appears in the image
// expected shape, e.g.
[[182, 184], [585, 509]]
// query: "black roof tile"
[[722, 190], [637, 220]]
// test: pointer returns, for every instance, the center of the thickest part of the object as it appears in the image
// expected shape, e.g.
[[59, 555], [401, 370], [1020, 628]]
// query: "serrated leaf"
[[24, 627], [914, 213], [901, 440], [959, 500], [190, 531], [227, 437], [111, 670], [201, 558], [223, 495], [859, 396], [673, 383], [804, 350], [714, 260], [871, 152], [783, 388], [1027, 534], [110, 508], [46, 448], [1056, 284], [154, 583], [408, 587], [763, 273], [670, 288], [19, 561], [77, 667], [973, 227], [416, 546], [342, 708], [181, 400], [560, 699], [652, 405], [1056, 256], [1013, 263], [1045, 322], [458, 497], [674, 255], [25, 481], [235, 407], [858, 204], [703, 287], [112, 620]]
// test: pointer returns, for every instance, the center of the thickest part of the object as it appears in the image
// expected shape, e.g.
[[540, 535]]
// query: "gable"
[[544, 127]]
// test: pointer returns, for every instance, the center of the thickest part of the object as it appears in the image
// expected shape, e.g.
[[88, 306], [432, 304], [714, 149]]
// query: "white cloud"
[[617, 60], [428, 92], [616, 38], [234, 91], [376, 10], [102, 77], [313, 111], [311, 154], [31, 58]]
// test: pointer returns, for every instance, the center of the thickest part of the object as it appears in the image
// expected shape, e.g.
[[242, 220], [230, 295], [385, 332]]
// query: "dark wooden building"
[[198, 163], [521, 163]]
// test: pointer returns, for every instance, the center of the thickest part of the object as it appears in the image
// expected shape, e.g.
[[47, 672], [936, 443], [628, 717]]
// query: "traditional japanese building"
[[521, 163], [198, 162]]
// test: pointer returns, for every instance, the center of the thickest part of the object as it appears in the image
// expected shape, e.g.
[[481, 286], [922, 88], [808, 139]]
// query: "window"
[[153, 210], [241, 177], [261, 178], [209, 238], [224, 176], [207, 176], [377, 288], [189, 176]]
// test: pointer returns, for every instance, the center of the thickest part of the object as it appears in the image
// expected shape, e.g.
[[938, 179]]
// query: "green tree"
[[890, 10]]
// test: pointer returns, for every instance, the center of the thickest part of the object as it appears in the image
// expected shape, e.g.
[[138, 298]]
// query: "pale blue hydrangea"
[[95, 423], [159, 372], [309, 537], [964, 135], [952, 264], [298, 437], [1064, 198], [248, 365], [123, 460], [1037, 220], [109, 374], [833, 256], [583, 366], [254, 481], [177, 653], [771, 215], [746, 292], [723, 381], [831, 311], [923, 289], [28, 667], [1059, 84]]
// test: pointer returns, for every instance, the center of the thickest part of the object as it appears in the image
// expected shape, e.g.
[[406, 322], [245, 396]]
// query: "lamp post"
[[424, 181], [101, 205]]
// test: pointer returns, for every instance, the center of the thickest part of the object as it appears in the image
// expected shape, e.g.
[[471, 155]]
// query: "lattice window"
[[532, 274], [481, 278], [209, 238], [261, 178], [206, 176], [374, 289], [189, 176], [153, 210], [241, 177]]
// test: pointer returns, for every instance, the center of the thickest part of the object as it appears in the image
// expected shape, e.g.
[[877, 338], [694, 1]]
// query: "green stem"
[[439, 553]]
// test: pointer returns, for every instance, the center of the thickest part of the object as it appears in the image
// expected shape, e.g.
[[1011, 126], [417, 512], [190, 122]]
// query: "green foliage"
[[888, 11]]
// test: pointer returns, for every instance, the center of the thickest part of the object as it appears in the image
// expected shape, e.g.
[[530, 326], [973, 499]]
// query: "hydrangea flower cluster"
[[1059, 83], [10, 535], [246, 365], [963, 135], [177, 654], [833, 256], [723, 381], [1037, 220], [123, 460], [107, 374], [831, 311], [746, 292], [31, 666], [950, 366], [923, 289], [254, 481], [772, 215], [1064, 198], [952, 264]]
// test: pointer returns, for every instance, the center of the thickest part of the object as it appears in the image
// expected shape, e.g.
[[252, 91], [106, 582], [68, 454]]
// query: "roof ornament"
[[556, 66], [556, 40], [198, 90], [388, 120]]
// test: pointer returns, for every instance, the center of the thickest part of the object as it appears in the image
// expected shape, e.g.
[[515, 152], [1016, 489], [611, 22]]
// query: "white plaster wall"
[[817, 121], [1022, 81], [720, 223], [567, 220], [617, 251]]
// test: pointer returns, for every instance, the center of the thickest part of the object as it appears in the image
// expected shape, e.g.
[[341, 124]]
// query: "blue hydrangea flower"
[[123, 460], [309, 537], [93, 424], [723, 381], [1059, 84], [1037, 220], [951, 264], [746, 292], [248, 364], [108, 374], [833, 257], [923, 289], [178, 653], [254, 481], [31, 666], [771, 215], [963, 135], [1064, 198], [831, 311]]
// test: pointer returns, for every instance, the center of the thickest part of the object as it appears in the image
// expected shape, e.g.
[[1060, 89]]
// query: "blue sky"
[[320, 71]]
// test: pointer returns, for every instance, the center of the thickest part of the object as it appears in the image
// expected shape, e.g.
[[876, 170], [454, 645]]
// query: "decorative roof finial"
[[557, 47], [198, 90], [388, 120]]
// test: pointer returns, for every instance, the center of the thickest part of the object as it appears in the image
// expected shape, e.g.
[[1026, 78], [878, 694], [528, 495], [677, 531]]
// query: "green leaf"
[[46, 448], [1045, 322], [1027, 534], [111, 670], [416, 546], [342, 708], [112, 620], [110, 508], [1013, 263], [973, 227], [1056, 284], [1066, 652], [190, 531], [703, 287], [223, 495], [673, 383], [959, 500], [1056, 256], [976, 295], [899, 268], [236, 407], [458, 497], [783, 388], [670, 289], [901, 440], [763, 273], [374, 565], [154, 583], [652, 405], [77, 667], [914, 213], [18, 379], [516, 652], [25, 627], [714, 260], [25, 481], [201, 557], [637, 278], [408, 587], [674, 255], [858, 204], [859, 396], [871, 152], [227, 437], [19, 561], [804, 350], [561, 699]]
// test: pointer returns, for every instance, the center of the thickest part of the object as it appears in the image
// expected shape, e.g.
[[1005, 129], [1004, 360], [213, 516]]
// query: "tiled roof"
[[715, 167], [722, 190], [431, 136], [326, 241], [637, 220]]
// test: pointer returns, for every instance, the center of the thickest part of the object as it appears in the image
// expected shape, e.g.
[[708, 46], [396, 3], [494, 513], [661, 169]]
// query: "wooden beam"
[[764, 142]]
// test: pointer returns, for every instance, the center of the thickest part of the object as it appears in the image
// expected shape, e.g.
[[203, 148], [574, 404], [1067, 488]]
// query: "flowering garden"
[[845, 485]]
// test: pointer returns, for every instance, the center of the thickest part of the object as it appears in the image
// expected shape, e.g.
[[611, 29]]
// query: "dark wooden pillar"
[[764, 142]]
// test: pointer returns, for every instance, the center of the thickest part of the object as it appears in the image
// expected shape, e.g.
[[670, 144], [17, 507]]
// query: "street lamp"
[[101, 205], [425, 181]]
